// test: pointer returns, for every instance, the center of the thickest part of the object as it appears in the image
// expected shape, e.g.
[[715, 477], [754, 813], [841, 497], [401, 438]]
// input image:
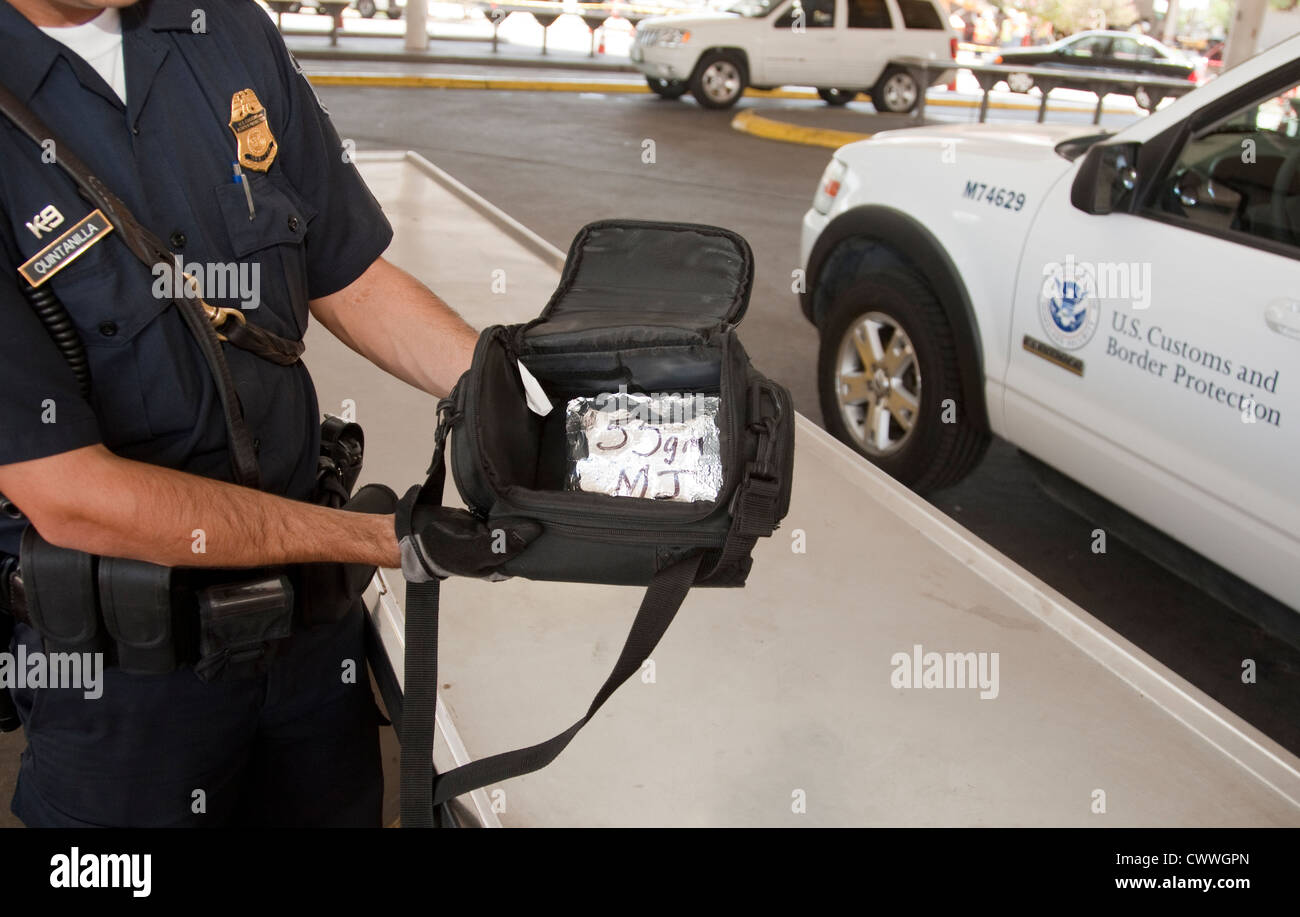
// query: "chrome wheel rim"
[[721, 80], [900, 92], [878, 384]]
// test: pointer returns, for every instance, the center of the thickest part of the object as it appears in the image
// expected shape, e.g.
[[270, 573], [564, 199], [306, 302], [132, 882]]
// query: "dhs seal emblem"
[[1067, 307]]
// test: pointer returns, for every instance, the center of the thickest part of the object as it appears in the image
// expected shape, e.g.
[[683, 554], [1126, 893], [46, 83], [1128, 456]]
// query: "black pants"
[[295, 747]]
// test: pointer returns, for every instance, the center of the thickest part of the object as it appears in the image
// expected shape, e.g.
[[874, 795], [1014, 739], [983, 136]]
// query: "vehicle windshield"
[[753, 8]]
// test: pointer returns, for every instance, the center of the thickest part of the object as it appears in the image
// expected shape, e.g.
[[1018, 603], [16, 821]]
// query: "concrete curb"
[[386, 80], [748, 122]]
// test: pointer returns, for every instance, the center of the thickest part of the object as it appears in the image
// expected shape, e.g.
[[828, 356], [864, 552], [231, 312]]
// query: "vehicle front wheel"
[[667, 89], [718, 81], [890, 385], [837, 96], [1147, 100], [896, 92]]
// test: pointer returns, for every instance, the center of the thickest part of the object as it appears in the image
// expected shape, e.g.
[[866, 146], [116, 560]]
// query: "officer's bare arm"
[[94, 501], [397, 323]]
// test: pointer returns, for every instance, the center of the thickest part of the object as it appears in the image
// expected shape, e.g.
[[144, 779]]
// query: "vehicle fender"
[[739, 53], [878, 237]]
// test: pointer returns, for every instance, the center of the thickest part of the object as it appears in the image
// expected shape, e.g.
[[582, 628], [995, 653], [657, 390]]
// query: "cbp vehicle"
[[842, 47], [1125, 308], [1122, 52]]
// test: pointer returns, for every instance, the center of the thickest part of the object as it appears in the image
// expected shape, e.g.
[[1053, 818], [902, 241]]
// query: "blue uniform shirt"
[[167, 154]]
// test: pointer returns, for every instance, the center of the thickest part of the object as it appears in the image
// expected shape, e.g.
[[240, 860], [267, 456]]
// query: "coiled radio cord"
[[54, 316]]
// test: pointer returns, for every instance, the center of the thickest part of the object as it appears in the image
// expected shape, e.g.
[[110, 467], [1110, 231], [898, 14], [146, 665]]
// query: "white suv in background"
[[1125, 308], [841, 47]]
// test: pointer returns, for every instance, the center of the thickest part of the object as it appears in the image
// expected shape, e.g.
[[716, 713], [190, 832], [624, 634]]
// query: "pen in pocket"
[[242, 179]]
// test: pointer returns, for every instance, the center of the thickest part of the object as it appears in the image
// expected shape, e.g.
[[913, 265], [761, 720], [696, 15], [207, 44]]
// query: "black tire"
[[719, 80], [366, 8], [932, 454], [1147, 99], [892, 94], [837, 97], [667, 89]]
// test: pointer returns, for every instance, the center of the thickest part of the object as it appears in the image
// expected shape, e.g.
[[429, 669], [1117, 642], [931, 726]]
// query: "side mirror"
[[1106, 178]]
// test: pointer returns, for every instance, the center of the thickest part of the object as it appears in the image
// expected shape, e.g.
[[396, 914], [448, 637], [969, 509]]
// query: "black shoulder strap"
[[421, 788], [208, 324]]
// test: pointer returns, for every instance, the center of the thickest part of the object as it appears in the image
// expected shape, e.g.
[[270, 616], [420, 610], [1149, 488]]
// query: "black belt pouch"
[[239, 625], [60, 588], [136, 599]]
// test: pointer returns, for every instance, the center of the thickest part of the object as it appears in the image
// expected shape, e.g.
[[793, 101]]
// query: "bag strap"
[[422, 789], [208, 324]]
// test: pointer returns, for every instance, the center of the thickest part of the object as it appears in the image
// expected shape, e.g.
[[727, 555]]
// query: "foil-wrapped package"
[[656, 447]]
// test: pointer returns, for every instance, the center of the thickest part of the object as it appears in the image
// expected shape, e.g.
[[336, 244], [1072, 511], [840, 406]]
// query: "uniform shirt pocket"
[[269, 244]]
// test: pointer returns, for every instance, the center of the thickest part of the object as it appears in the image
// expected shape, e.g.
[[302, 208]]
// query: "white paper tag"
[[538, 403]]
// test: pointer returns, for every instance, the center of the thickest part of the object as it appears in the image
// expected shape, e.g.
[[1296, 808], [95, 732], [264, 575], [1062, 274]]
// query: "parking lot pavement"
[[807, 700], [575, 158]]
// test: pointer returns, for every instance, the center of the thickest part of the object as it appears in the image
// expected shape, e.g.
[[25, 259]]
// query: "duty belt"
[[148, 619]]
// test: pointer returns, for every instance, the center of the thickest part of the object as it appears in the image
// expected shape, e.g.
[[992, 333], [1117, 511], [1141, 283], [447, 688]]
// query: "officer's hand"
[[439, 541]]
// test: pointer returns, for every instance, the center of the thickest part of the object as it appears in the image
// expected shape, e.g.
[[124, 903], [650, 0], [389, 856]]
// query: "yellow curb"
[[464, 82], [505, 83], [750, 123], [494, 82]]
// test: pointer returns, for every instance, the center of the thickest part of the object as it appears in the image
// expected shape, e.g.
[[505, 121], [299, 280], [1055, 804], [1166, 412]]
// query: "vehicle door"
[[799, 46], [870, 40], [1156, 348], [1087, 51], [1126, 56]]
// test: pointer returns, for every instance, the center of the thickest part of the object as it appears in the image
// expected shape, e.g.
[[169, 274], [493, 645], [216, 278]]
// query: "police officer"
[[160, 98]]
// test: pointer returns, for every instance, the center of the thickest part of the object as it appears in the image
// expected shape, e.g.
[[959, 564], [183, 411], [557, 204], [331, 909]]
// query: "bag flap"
[[673, 274]]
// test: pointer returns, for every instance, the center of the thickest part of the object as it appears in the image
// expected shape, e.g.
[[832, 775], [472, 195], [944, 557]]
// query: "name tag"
[[65, 249]]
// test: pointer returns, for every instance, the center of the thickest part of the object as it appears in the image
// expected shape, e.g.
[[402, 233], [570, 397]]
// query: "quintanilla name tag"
[[65, 249]]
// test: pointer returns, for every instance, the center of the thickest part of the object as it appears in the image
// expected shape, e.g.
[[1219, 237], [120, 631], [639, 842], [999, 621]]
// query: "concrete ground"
[[558, 160]]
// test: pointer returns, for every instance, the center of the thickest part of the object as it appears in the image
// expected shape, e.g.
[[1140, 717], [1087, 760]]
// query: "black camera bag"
[[651, 307]]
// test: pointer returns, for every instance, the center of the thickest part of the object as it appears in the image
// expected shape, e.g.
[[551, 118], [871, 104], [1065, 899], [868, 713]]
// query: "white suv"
[[839, 46], [1125, 308]]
